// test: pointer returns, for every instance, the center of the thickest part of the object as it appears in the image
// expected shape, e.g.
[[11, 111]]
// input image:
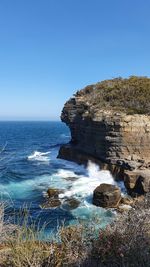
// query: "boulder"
[[52, 199], [107, 196], [53, 193]]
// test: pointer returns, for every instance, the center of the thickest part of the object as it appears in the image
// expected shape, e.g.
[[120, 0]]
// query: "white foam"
[[81, 188], [66, 174], [39, 156], [85, 185]]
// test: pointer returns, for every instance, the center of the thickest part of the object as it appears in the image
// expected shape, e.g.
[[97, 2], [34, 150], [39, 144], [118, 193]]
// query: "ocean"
[[29, 166]]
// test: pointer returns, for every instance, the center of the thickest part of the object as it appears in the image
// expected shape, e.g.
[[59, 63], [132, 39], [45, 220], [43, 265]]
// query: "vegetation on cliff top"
[[130, 95]]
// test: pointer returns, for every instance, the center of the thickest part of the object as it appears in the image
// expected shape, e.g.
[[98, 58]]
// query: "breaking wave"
[[84, 186], [39, 156]]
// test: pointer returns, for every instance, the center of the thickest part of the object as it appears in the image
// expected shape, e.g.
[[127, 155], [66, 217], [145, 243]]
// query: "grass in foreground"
[[124, 243]]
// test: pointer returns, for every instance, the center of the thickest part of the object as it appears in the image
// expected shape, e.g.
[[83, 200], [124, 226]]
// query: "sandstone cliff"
[[110, 122]]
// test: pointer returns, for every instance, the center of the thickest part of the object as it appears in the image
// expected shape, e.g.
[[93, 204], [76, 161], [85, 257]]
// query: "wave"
[[84, 186], [39, 156]]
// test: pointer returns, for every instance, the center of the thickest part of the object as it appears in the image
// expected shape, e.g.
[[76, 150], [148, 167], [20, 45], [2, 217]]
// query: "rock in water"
[[71, 203], [107, 196], [51, 203], [52, 192]]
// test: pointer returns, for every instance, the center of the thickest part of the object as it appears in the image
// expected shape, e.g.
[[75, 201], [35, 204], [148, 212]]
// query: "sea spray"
[[84, 186], [39, 156]]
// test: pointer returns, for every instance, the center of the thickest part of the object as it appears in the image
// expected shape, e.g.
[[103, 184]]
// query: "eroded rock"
[[105, 132], [53, 192], [138, 181], [126, 200], [52, 199], [107, 196]]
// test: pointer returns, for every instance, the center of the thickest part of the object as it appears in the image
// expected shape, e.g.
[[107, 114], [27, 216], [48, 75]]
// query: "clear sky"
[[51, 48]]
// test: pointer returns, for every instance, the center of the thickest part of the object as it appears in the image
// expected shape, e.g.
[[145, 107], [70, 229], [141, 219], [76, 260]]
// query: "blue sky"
[[51, 48]]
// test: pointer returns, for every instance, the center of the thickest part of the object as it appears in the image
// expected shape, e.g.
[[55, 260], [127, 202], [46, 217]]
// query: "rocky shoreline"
[[112, 138]]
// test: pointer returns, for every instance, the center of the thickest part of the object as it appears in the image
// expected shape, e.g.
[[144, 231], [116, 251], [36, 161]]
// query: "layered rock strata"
[[108, 136]]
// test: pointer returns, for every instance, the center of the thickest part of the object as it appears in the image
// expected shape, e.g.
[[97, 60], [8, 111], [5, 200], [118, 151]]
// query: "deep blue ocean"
[[29, 166]]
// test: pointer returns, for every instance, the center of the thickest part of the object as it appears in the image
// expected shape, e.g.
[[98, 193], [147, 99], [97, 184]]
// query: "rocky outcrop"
[[137, 181], [111, 137], [106, 133], [52, 199], [107, 196], [53, 192]]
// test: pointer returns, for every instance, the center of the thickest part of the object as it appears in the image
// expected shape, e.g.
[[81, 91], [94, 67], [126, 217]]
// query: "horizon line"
[[29, 120]]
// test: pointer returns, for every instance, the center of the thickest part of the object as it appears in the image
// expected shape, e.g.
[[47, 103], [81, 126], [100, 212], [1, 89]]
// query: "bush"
[[130, 95], [124, 243], [127, 241]]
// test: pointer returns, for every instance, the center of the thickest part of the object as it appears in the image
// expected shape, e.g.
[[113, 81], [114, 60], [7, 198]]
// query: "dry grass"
[[124, 243], [28, 251], [1, 218]]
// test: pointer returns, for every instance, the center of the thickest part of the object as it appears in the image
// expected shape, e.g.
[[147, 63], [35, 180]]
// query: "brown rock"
[[52, 201], [127, 200], [52, 192], [106, 196], [106, 134], [137, 182]]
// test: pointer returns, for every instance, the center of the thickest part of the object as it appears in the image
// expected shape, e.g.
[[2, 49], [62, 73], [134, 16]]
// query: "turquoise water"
[[29, 166]]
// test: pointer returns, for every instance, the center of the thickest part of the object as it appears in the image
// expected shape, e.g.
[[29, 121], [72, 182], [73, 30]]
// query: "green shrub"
[[130, 95]]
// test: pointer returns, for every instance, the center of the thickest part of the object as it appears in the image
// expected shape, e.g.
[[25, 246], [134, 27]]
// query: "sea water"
[[29, 166]]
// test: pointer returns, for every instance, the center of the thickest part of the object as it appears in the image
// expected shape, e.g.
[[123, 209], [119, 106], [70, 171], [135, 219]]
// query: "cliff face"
[[109, 136], [105, 133]]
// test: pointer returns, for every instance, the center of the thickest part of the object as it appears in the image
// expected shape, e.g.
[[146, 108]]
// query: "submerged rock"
[[71, 203], [51, 203], [72, 179], [107, 196]]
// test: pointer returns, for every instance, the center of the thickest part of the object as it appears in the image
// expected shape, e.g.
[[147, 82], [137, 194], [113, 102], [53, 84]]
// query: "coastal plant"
[[26, 248], [125, 242], [1, 218], [130, 95]]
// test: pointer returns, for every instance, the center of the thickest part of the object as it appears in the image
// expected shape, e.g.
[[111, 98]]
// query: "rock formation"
[[107, 196], [110, 123]]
